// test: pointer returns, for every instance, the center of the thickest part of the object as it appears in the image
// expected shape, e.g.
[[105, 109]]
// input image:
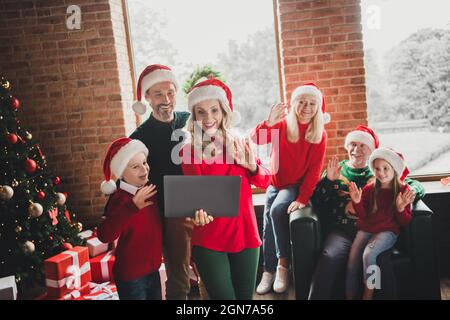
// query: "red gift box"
[[70, 270], [76, 294], [101, 267]]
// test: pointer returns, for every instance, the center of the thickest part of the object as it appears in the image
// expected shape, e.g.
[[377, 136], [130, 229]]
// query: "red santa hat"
[[116, 160], [395, 159], [312, 88], [152, 75], [364, 135], [213, 89]]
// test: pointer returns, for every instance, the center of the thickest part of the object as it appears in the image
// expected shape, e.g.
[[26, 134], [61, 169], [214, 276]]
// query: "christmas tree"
[[34, 221]]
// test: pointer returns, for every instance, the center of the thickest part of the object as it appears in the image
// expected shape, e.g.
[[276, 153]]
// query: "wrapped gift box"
[[101, 291], [86, 234], [70, 270], [76, 294], [101, 267], [96, 247], [8, 288]]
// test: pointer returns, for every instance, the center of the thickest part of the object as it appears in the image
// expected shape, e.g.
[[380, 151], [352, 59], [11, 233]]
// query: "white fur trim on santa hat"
[[204, 93], [120, 161], [390, 156], [108, 187], [307, 89], [157, 76], [359, 136]]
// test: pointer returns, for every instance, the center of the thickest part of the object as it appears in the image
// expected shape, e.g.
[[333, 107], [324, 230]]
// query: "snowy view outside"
[[230, 36], [407, 55], [407, 61]]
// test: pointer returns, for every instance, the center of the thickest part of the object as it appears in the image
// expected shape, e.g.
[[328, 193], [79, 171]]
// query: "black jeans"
[[146, 288], [330, 269]]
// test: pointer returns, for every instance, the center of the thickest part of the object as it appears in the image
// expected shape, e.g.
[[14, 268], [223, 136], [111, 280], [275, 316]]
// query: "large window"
[[235, 37], [407, 61]]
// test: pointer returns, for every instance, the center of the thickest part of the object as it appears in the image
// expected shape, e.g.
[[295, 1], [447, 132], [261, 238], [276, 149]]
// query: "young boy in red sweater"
[[132, 215], [382, 208]]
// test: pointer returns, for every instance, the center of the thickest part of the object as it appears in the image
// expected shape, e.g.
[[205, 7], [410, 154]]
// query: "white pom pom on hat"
[[151, 75], [116, 160]]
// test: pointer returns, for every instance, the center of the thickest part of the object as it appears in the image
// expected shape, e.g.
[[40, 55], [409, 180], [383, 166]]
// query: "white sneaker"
[[281, 282], [266, 283]]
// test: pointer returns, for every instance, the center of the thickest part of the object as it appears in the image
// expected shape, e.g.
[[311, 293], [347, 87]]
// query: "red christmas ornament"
[[30, 166], [50, 238], [15, 104], [57, 181], [41, 195], [67, 245], [12, 138]]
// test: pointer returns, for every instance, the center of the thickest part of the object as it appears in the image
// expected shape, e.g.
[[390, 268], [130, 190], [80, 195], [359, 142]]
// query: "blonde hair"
[[196, 140], [315, 128]]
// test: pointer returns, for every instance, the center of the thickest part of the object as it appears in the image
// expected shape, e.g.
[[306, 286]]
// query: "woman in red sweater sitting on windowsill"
[[296, 158]]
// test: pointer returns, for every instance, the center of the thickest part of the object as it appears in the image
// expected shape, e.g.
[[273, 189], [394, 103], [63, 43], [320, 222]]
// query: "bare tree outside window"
[[235, 37], [407, 62]]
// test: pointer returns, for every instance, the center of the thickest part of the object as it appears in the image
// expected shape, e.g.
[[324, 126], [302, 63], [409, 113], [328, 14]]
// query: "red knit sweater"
[[139, 249], [298, 163], [387, 218], [230, 234]]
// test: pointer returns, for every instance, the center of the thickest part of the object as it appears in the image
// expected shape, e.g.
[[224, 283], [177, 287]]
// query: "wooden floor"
[[290, 294]]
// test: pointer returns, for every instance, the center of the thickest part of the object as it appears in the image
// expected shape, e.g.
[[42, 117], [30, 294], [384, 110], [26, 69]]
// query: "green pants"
[[227, 276]]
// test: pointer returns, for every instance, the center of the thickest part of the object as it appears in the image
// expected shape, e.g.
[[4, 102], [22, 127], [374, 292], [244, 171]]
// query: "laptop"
[[219, 196]]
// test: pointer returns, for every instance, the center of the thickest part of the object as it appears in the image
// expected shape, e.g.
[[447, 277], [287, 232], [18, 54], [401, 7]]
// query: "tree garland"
[[206, 72]]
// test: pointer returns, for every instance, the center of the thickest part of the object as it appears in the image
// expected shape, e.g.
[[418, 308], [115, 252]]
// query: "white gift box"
[[96, 247], [86, 234], [8, 288]]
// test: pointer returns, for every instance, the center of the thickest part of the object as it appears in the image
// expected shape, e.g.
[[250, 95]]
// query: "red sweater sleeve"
[[362, 208], [261, 178], [312, 175], [117, 216], [262, 133]]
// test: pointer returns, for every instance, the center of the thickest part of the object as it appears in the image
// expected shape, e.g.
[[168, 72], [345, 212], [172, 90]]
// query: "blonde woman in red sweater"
[[226, 251], [297, 155]]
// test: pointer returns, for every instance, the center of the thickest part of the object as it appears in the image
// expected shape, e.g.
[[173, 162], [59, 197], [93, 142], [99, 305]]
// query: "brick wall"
[[74, 86], [321, 41]]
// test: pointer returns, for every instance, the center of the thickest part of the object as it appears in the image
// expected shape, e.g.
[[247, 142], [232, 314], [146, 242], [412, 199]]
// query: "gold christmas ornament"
[[6, 192], [6, 84], [28, 247], [18, 229], [35, 210], [14, 183], [60, 199], [78, 226], [28, 136]]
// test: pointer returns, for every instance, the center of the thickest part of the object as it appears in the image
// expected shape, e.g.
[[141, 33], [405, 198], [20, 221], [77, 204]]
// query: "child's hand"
[[333, 169], [244, 155], [277, 113], [142, 196], [404, 199], [201, 219], [355, 192], [294, 206]]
